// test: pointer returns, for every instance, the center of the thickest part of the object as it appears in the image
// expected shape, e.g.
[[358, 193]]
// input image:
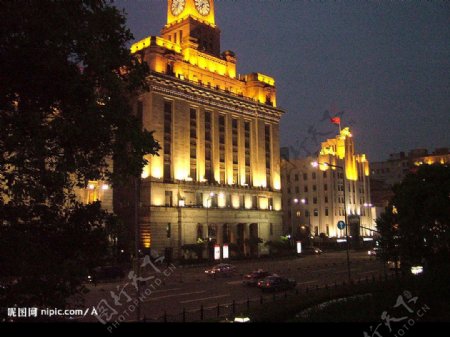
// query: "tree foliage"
[[67, 78], [416, 225]]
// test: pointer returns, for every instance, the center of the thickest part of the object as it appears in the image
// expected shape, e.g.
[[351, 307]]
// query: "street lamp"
[[316, 164], [293, 216], [308, 216], [369, 208]]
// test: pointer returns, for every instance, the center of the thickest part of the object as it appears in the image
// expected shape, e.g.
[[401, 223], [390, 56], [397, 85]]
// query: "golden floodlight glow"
[[221, 202], [155, 41], [156, 172], [146, 239], [145, 172], [235, 201], [266, 79]]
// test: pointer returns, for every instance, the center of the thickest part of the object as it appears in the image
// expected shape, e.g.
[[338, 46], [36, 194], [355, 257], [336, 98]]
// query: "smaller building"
[[385, 174], [315, 198]]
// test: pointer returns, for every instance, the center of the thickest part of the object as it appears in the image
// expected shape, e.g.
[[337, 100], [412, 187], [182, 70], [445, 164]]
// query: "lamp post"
[[293, 216], [316, 164], [369, 208], [307, 215]]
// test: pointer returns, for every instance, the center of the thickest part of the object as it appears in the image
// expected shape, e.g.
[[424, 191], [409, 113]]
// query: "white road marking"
[[234, 282], [203, 299], [174, 295], [370, 271], [315, 270], [164, 290], [313, 281]]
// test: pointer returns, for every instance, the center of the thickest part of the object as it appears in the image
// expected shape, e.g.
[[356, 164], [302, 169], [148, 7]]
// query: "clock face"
[[202, 6], [177, 6]]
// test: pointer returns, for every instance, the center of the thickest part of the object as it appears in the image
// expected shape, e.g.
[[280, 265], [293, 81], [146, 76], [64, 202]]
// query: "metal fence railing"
[[222, 311]]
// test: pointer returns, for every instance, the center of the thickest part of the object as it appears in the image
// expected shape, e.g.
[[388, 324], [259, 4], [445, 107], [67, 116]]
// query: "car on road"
[[221, 269], [311, 251], [393, 264], [252, 278], [276, 283], [376, 251], [105, 274]]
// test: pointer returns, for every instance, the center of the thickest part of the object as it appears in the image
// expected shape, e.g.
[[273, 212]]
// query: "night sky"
[[384, 66]]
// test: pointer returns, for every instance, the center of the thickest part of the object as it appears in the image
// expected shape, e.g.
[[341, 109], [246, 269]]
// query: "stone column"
[[219, 234]]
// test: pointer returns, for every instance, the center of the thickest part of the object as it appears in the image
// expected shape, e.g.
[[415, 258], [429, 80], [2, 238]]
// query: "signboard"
[[299, 247], [225, 251], [216, 252], [341, 224]]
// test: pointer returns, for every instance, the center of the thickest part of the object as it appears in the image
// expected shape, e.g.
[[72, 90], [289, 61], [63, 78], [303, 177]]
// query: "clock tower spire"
[[193, 19], [202, 10]]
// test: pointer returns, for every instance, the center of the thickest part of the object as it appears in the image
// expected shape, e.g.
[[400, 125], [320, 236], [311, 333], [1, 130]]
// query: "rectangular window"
[[247, 152], [168, 197], [305, 176], [268, 153], [168, 230], [208, 147], [271, 228], [193, 143], [326, 211], [167, 144]]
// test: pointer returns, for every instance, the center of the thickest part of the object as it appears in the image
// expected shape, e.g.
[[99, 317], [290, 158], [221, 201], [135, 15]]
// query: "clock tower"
[[217, 174], [192, 21]]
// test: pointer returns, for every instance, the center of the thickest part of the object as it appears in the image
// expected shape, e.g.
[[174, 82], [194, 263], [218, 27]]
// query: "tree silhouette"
[[67, 78]]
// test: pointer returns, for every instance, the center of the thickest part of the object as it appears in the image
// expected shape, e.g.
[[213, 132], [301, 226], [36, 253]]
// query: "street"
[[176, 289]]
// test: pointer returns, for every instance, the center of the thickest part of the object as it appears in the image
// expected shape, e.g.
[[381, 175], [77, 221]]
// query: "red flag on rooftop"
[[336, 120]]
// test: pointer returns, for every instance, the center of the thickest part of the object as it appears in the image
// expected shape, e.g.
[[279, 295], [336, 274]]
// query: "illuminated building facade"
[[393, 170], [217, 176], [384, 174], [313, 197]]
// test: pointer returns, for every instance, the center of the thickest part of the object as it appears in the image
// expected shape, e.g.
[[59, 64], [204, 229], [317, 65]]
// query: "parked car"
[[312, 251], [105, 273], [222, 269], [252, 278], [276, 283]]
